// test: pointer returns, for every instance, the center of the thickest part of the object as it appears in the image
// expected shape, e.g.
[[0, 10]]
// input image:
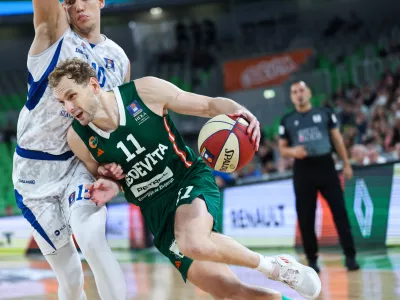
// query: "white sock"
[[88, 225], [266, 265]]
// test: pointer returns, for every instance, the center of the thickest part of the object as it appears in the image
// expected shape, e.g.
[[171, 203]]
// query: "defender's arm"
[[50, 22]]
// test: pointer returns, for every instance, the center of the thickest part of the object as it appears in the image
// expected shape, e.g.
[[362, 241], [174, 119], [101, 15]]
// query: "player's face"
[[300, 94], [84, 15], [79, 100]]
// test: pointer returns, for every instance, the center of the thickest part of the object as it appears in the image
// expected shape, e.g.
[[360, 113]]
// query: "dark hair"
[[75, 69]]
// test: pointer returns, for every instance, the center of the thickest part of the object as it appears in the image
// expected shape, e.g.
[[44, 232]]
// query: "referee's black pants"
[[310, 176]]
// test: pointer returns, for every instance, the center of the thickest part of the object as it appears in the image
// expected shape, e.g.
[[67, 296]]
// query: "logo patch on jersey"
[[99, 152], [134, 108], [207, 155], [144, 187], [136, 111], [175, 250], [93, 141], [71, 198], [109, 64], [317, 118], [80, 51], [65, 114]]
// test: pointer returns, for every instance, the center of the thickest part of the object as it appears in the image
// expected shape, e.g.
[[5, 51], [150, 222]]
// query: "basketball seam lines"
[[233, 127], [229, 124], [213, 165]]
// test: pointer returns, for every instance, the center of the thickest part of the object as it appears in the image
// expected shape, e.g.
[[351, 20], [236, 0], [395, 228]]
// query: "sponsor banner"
[[261, 215], [15, 233], [267, 218], [117, 227], [368, 197], [393, 232], [263, 71]]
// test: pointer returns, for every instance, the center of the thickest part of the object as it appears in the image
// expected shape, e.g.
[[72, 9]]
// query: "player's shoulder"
[[325, 110], [71, 133], [288, 115], [110, 43]]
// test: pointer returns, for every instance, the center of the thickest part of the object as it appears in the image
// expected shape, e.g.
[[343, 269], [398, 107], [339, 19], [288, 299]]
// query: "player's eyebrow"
[[67, 93]]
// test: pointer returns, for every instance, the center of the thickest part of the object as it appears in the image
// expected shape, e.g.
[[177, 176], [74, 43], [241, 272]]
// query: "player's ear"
[[94, 83], [102, 3]]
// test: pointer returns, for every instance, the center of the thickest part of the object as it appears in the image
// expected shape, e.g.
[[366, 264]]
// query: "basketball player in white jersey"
[[48, 179]]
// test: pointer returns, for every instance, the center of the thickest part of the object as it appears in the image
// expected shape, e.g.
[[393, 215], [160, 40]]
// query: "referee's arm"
[[338, 143], [298, 152]]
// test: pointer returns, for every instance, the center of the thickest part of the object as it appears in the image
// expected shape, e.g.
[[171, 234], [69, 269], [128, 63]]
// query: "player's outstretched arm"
[[50, 22], [80, 150], [161, 96]]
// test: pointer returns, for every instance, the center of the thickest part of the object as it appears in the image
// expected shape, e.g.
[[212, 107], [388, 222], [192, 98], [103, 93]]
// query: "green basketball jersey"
[[148, 147]]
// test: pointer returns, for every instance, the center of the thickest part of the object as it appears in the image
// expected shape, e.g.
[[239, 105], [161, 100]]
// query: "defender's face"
[[84, 14], [79, 100], [300, 94]]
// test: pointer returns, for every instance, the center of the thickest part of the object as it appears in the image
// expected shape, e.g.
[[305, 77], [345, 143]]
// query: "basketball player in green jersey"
[[174, 188]]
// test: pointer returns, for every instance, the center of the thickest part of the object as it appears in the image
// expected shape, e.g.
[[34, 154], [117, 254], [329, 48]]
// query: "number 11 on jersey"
[[129, 155]]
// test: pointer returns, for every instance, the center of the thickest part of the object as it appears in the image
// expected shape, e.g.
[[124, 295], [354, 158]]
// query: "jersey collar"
[[122, 116]]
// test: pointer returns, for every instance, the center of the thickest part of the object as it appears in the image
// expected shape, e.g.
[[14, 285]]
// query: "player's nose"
[[69, 106], [79, 5]]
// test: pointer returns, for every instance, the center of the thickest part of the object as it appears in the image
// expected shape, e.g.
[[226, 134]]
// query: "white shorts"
[[47, 192]]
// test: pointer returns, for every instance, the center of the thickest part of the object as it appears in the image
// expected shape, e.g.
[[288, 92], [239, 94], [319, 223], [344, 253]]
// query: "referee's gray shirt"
[[310, 129]]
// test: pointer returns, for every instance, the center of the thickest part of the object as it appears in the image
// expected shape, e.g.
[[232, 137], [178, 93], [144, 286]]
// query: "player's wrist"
[[346, 164]]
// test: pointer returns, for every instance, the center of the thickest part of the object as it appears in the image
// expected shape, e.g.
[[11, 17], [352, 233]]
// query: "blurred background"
[[347, 51]]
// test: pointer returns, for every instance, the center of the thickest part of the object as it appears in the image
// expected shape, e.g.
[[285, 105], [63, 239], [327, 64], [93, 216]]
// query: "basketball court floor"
[[150, 276]]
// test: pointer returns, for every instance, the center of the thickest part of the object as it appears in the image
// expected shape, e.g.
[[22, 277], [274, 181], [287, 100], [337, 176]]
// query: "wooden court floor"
[[150, 276]]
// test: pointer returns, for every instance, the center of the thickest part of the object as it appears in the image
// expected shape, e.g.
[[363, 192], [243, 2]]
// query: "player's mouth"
[[82, 17], [79, 116]]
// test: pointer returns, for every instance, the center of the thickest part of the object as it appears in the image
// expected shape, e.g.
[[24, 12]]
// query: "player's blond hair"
[[74, 69]]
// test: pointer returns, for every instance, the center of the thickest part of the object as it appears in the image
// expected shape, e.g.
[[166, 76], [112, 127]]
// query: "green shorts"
[[199, 183]]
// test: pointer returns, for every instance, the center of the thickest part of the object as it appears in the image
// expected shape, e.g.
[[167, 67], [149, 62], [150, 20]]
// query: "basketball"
[[224, 145]]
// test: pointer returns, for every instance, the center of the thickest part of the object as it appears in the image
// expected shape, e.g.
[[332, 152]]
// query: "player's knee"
[[228, 292], [198, 249]]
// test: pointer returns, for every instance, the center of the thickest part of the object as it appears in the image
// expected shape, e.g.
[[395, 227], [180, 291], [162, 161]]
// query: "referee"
[[306, 134]]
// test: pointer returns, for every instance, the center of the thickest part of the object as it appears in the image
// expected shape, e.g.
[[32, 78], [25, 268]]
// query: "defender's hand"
[[102, 191], [254, 126], [112, 170]]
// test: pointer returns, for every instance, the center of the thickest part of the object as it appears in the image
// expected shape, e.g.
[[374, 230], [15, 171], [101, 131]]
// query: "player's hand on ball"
[[300, 152], [102, 191], [254, 126], [112, 170]]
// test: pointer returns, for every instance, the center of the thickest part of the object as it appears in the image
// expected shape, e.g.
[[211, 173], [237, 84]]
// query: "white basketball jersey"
[[43, 123]]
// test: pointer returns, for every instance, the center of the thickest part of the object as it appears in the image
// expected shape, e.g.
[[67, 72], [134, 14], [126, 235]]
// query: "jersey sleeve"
[[332, 119], [283, 134]]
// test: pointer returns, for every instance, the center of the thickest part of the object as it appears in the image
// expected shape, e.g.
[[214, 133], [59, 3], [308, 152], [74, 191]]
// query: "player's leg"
[[219, 281], [53, 236], [66, 263], [214, 278], [332, 191], [88, 223], [193, 225], [306, 204]]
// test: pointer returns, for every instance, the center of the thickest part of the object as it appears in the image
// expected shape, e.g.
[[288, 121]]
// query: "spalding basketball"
[[224, 144]]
